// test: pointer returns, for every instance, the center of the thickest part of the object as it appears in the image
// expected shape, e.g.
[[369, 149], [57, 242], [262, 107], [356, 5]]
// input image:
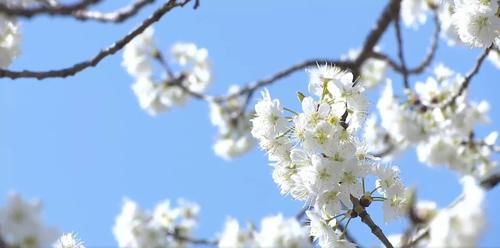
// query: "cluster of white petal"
[[414, 12], [275, 231], [21, 224], [316, 155], [156, 95], [494, 55], [477, 21], [233, 124], [460, 225], [448, 30], [443, 134], [10, 39], [372, 70], [68, 240], [137, 228]]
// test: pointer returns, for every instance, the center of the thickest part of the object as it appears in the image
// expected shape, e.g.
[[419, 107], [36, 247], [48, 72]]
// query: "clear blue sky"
[[82, 144]]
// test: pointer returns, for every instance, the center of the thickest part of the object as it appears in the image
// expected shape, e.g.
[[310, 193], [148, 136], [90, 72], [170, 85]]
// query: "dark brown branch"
[[72, 70], [469, 77], [45, 9], [390, 12], [117, 16], [399, 41], [365, 218]]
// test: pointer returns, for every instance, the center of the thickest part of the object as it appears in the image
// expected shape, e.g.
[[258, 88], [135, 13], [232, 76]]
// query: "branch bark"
[[116, 16], [431, 52], [365, 218]]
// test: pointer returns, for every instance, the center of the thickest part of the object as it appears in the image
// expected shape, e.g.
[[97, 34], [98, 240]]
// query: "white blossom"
[[414, 12], [233, 236], [477, 22], [155, 95], [10, 39], [68, 240], [234, 138], [276, 231], [137, 228], [21, 224], [462, 224]]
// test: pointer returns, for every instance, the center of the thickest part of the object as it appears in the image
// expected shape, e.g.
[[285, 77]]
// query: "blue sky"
[[82, 144]]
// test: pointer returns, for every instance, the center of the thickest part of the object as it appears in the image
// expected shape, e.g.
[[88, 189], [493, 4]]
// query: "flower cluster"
[[494, 55], [275, 231], [137, 228], [158, 95], [459, 225], [68, 240], [477, 21], [316, 155], [10, 39], [440, 127], [414, 12], [21, 224], [233, 122]]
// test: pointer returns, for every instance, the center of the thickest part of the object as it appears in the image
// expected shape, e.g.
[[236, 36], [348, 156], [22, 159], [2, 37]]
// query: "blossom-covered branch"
[[74, 69], [365, 218], [28, 12], [116, 16]]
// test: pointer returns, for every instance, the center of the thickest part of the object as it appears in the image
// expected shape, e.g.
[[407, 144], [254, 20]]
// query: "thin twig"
[[390, 12], [365, 218], [399, 40], [431, 52], [68, 9], [347, 234], [116, 16], [72, 70], [282, 74], [468, 77]]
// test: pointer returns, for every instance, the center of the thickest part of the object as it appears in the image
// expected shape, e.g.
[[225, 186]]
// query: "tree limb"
[[22, 11], [399, 41], [390, 12], [74, 69]]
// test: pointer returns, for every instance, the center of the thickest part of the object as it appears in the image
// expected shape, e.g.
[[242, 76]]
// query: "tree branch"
[[45, 9], [116, 16], [365, 218], [193, 241], [251, 87], [72, 70], [399, 40], [468, 77], [390, 12]]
